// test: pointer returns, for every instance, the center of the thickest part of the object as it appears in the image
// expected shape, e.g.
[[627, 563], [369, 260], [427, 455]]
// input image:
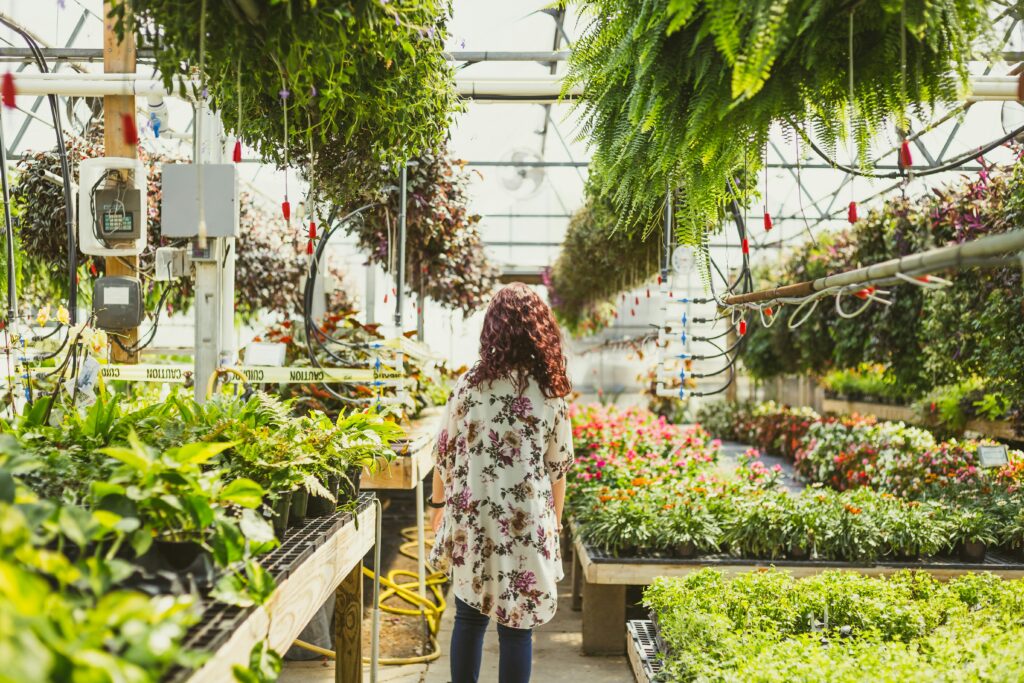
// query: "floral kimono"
[[498, 453]]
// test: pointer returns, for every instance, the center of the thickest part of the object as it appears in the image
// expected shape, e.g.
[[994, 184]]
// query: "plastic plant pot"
[[179, 556], [300, 501], [348, 486], [685, 550], [281, 509], [972, 551], [322, 507]]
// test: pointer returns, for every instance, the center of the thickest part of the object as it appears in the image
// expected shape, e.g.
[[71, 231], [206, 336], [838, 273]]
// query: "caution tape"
[[177, 374]]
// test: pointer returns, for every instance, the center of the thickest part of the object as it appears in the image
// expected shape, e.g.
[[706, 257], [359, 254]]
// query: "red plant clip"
[[648, 292], [92, 268], [632, 312], [864, 293], [906, 160], [130, 130], [767, 222], [636, 301], [237, 155], [659, 279], [8, 91], [745, 245], [851, 212], [309, 247], [312, 230], [743, 327], [286, 210], [768, 311]]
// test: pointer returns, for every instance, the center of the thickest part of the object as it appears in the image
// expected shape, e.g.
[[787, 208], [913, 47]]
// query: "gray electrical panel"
[[117, 302], [179, 209]]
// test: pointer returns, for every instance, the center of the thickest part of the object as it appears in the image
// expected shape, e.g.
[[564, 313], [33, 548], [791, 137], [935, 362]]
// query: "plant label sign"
[[992, 456]]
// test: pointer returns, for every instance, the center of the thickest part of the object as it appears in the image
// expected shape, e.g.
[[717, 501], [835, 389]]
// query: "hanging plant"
[[270, 266], [597, 262], [445, 255], [367, 82], [682, 93]]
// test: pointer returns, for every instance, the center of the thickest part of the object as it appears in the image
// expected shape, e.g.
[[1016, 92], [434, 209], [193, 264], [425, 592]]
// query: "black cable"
[[948, 166], [65, 171], [151, 334], [313, 331]]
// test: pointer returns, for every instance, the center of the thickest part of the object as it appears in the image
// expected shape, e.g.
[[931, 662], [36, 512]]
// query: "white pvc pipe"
[[542, 88]]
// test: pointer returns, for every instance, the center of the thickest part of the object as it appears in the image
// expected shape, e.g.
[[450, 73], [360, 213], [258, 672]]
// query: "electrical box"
[[170, 263], [179, 212], [117, 303], [112, 206]]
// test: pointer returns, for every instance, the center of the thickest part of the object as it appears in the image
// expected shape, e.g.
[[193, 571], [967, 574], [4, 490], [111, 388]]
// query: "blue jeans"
[[515, 647]]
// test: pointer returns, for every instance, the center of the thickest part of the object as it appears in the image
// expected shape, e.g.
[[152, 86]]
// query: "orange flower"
[[641, 481], [669, 506], [604, 498], [852, 509]]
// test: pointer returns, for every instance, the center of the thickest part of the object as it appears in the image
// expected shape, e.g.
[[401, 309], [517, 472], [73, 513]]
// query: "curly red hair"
[[520, 340]]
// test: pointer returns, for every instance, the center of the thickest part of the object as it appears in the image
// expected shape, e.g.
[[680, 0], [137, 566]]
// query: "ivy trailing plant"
[[445, 255], [365, 84], [598, 261], [682, 93]]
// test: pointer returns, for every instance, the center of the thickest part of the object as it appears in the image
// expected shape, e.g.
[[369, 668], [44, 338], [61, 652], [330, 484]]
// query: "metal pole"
[[400, 239], [375, 614]]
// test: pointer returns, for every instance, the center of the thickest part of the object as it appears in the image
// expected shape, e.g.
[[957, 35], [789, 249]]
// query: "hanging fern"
[[597, 262], [682, 93]]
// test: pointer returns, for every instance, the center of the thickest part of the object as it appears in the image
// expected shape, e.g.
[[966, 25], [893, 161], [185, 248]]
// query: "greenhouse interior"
[[682, 340]]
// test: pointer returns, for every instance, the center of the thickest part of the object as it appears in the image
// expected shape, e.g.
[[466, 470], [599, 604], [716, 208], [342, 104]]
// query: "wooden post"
[[604, 619], [348, 628], [577, 582], [119, 57]]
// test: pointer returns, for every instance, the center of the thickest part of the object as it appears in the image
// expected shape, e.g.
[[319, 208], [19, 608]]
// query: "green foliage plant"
[[366, 85], [682, 93]]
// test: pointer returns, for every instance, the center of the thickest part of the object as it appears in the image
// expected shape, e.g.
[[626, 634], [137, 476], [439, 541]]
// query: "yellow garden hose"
[[212, 384], [408, 591]]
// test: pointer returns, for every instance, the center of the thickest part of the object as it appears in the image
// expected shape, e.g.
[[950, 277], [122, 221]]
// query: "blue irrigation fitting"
[[682, 393], [683, 319], [682, 374], [682, 337], [684, 355]]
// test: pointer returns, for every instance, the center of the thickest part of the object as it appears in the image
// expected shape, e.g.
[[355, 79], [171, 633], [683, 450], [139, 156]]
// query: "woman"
[[502, 453]]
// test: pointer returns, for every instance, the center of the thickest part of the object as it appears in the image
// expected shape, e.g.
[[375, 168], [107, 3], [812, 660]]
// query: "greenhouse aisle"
[[556, 650]]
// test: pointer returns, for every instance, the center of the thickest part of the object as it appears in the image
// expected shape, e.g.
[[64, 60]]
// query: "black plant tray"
[[219, 621], [644, 650], [993, 561]]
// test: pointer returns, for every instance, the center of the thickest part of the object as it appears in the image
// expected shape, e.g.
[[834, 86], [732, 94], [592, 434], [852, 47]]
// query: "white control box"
[[112, 206]]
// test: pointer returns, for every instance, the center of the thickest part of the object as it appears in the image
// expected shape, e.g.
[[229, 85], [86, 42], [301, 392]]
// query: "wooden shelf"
[[599, 583], [296, 599], [415, 459], [883, 411], [983, 428]]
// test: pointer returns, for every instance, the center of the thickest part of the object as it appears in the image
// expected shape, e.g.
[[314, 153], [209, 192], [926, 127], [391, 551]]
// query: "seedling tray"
[[643, 650], [219, 621]]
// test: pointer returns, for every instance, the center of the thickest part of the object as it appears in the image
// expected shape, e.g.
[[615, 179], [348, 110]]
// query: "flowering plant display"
[[838, 627], [853, 451], [644, 487]]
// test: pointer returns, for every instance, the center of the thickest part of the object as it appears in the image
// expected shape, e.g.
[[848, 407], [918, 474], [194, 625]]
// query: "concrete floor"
[[556, 657]]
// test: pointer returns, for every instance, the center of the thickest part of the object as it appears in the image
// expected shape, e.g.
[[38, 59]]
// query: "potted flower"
[[972, 530]]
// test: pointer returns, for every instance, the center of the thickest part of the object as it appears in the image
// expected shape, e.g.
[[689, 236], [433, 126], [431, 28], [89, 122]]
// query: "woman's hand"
[[436, 514]]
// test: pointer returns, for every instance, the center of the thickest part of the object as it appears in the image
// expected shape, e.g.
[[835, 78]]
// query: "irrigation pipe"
[[957, 255]]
